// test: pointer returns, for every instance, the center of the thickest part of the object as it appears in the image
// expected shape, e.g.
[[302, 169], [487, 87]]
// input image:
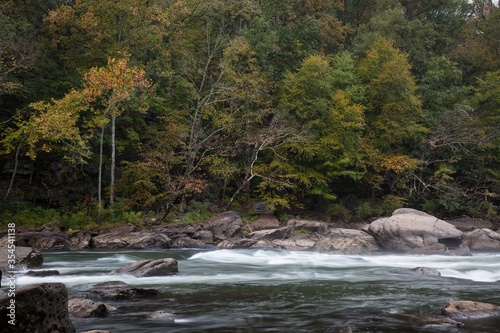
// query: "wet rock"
[[412, 230], [43, 273], [470, 310], [133, 240], [484, 240], [425, 271], [225, 226], [162, 315], [149, 267], [25, 256], [97, 331], [347, 241], [85, 308], [39, 308], [118, 291]]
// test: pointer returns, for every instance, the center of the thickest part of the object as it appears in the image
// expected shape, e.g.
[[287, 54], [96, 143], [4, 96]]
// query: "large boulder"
[[470, 310], [25, 256], [149, 267], [485, 240], [79, 240], [347, 241], [132, 240], [264, 221], [39, 308], [225, 226], [85, 308], [409, 230]]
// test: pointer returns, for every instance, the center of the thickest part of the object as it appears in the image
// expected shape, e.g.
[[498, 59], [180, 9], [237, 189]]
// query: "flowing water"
[[282, 291]]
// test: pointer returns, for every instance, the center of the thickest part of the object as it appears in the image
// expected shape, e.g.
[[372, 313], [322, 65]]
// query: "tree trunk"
[[113, 159], [16, 163], [99, 182]]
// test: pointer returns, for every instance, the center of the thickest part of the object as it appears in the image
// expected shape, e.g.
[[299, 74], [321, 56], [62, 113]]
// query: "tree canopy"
[[343, 109]]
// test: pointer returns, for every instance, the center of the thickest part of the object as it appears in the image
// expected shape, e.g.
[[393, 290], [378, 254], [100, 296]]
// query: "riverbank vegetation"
[[119, 110]]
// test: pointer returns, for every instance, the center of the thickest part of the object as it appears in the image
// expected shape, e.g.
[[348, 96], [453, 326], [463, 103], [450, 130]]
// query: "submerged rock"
[[39, 308], [49, 272], [149, 267], [425, 271], [470, 310], [425, 320], [120, 292], [162, 315]]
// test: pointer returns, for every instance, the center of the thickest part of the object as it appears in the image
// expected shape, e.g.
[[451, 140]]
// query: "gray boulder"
[[225, 226], [412, 230], [79, 240], [347, 241], [132, 240], [85, 308], [149, 267], [39, 308], [263, 222], [470, 310], [485, 240], [25, 256]]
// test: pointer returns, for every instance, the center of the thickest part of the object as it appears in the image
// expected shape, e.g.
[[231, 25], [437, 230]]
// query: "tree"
[[108, 89], [393, 115], [331, 122], [105, 92]]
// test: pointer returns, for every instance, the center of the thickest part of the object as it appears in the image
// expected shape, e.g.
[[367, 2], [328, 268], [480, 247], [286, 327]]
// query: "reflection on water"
[[275, 291]]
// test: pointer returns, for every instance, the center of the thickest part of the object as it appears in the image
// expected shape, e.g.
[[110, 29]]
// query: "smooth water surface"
[[282, 291]]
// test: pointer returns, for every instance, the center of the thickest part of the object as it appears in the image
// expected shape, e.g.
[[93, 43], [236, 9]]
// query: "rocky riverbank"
[[406, 231]]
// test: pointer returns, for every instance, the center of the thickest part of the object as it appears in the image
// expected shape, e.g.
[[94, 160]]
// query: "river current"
[[281, 291]]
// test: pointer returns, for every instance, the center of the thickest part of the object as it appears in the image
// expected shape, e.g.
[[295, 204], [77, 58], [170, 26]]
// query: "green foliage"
[[296, 103]]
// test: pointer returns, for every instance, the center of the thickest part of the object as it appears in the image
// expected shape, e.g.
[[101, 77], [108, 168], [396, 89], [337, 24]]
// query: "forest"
[[335, 109]]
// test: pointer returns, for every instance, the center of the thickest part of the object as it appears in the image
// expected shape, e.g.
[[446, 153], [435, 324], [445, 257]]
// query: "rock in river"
[[39, 308], [149, 267], [410, 230]]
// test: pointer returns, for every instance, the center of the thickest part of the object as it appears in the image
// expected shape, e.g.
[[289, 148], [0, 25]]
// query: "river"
[[281, 291]]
